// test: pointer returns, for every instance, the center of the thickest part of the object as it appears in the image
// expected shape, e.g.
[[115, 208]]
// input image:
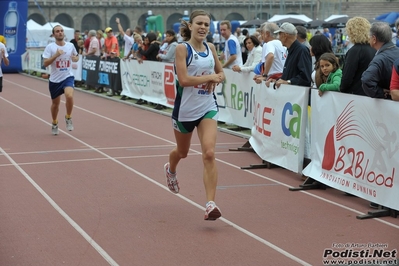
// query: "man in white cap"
[[298, 65]]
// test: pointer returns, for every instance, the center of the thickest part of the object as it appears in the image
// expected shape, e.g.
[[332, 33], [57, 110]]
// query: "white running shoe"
[[69, 125], [171, 180], [54, 129], [212, 211]]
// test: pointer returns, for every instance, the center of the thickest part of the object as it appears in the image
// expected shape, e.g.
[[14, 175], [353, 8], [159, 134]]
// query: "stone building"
[[85, 15]]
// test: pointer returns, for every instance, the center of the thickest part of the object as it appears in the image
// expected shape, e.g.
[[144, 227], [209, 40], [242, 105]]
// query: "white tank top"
[[194, 102]]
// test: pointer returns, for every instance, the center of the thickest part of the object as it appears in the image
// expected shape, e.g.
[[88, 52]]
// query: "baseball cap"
[[108, 29], [287, 28]]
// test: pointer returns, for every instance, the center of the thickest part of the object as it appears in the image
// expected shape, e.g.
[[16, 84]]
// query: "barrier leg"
[[245, 147], [308, 184], [382, 212], [264, 164]]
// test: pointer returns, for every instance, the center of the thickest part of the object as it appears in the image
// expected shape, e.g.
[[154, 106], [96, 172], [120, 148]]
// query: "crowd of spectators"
[[279, 55]]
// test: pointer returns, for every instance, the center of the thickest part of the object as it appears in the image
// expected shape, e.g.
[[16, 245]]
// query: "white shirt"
[[2, 46], [254, 57], [94, 44], [129, 41], [227, 54], [216, 38], [280, 54], [61, 68]]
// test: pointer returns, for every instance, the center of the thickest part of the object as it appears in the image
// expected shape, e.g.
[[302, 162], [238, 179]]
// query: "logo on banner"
[[364, 156], [169, 84], [292, 114], [156, 78], [263, 119]]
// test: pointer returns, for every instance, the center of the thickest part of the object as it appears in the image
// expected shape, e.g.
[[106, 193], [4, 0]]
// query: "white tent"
[[38, 35], [335, 17], [280, 17]]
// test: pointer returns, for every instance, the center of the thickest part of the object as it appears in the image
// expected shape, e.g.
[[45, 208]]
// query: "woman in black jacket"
[[152, 51], [358, 56]]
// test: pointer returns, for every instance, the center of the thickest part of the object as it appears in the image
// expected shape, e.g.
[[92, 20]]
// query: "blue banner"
[[13, 16]]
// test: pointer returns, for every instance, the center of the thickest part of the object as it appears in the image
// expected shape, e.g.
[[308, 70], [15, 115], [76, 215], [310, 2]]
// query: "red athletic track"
[[97, 195]]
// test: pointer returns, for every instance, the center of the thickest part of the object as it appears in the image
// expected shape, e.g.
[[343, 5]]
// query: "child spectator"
[[330, 74]]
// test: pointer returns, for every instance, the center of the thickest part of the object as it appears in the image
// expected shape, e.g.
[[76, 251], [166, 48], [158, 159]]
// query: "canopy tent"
[[314, 24], [294, 21], [276, 18], [252, 23], [38, 35], [390, 17], [336, 21], [335, 17]]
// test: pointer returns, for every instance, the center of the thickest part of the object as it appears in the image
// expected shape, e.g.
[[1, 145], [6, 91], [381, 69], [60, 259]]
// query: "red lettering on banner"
[[261, 121], [357, 166]]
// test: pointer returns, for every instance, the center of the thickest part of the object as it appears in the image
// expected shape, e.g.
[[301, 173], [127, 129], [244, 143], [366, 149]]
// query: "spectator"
[[133, 52], [330, 73], [76, 38], [152, 51], [149, 51], [377, 77], [232, 49], [216, 40], [3, 40], [139, 31], [111, 47], [326, 32], [338, 39], [319, 45], [81, 47], [3, 58], [127, 37], [241, 37], [358, 57], [298, 65], [394, 87], [273, 54], [101, 40], [87, 42], [209, 37], [168, 54], [94, 45], [301, 36], [252, 44], [308, 35]]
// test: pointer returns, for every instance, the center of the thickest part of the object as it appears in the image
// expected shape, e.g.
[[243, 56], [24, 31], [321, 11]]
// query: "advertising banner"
[[150, 81], [13, 16], [354, 148], [97, 72], [278, 131], [236, 98]]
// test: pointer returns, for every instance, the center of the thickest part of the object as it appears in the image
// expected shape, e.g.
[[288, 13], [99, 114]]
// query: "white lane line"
[[98, 159], [237, 227], [224, 162], [93, 243]]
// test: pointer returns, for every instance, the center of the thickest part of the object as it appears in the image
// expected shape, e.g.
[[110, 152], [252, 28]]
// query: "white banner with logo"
[[32, 60], [77, 69], [150, 81], [235, 98], [278, 132], [355, 146]]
